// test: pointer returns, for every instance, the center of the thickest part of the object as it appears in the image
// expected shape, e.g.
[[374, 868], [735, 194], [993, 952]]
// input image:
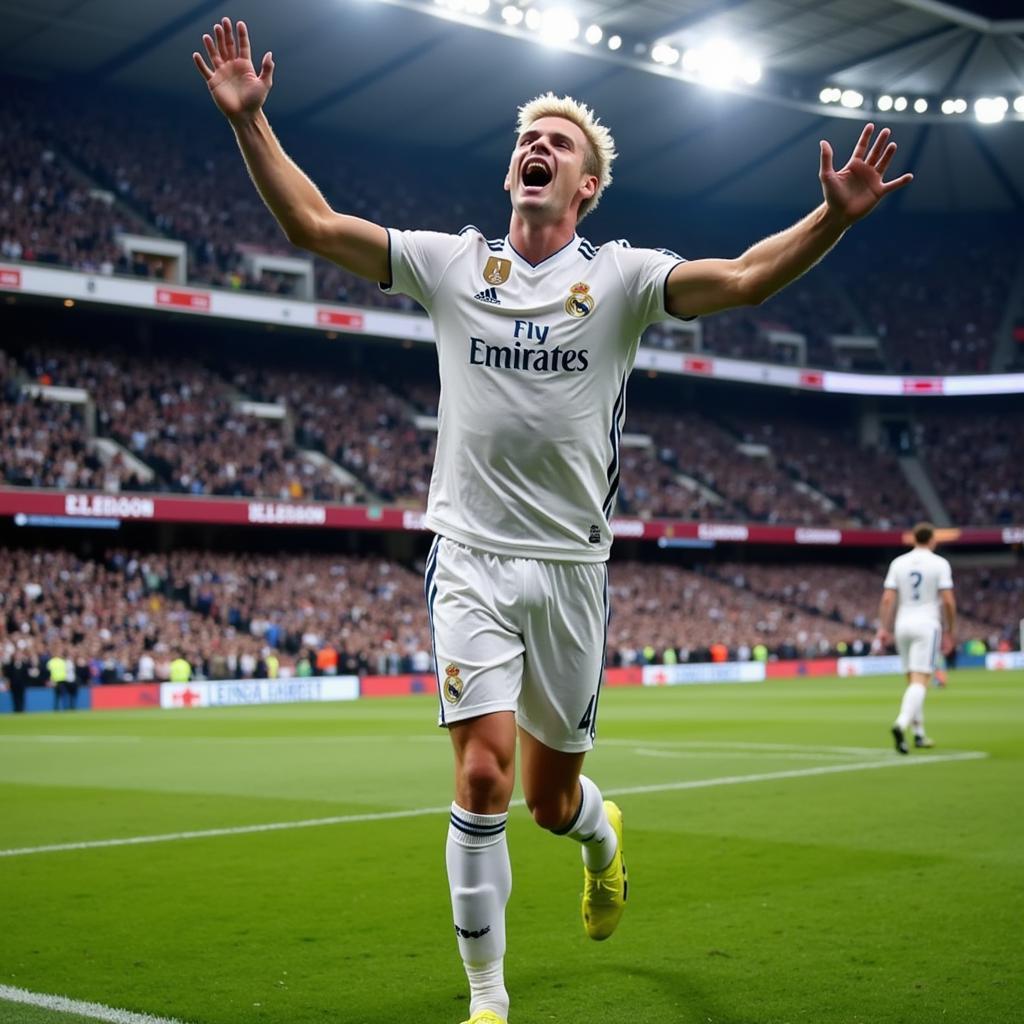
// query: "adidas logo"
[[488, 295]]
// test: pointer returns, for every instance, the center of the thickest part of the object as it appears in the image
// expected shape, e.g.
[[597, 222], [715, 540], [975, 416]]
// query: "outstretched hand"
[[236, 88], [856, 190]]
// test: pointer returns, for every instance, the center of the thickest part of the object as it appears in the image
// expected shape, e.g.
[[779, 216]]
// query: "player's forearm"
[[886, 613], [775, 262], [290, 195]]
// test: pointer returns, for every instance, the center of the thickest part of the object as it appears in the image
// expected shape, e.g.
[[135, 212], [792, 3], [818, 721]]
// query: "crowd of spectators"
[[865, 484], [174, 414], [125, 615], [359, 422], [935, 305], [975, 463], [185, 420], [129, 614], [752, 486], [89, 166]]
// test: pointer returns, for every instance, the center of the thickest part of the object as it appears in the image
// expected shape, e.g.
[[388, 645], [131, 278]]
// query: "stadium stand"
[[225, 612], [92, 166]]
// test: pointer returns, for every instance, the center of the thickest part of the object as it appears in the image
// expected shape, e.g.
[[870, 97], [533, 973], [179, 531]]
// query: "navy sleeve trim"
[[386, 286], [664, 294]]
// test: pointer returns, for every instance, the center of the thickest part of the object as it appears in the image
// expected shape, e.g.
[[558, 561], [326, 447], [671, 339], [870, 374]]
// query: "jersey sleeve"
[[645, 276], [890, 578], [945, 575], [418, 261]]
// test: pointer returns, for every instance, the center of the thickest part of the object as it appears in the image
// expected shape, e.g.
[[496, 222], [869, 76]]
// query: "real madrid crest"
[[496, 270], [580, 302], [453, 684]]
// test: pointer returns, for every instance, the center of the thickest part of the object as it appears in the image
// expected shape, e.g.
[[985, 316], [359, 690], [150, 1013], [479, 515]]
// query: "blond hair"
[[600, 152]]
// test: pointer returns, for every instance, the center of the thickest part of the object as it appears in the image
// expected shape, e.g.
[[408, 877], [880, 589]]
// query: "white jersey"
[[917, 577], [533, 363]]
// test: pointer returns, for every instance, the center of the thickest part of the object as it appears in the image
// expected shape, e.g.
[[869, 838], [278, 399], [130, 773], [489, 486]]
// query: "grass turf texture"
[[891, 895]]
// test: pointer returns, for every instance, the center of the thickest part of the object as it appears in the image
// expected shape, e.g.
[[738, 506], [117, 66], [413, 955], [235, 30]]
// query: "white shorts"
[[519, 634], [918, 646]]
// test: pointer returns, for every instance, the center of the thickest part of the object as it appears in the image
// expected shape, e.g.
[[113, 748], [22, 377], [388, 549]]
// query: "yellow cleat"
[[485, 1017], [604, 892]]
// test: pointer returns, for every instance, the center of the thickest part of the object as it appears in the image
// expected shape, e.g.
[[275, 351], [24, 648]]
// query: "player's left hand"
[[855, 191], [948, 643]]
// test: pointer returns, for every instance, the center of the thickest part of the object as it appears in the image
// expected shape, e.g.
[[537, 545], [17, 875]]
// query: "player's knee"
[[553, 811], [484, 782]]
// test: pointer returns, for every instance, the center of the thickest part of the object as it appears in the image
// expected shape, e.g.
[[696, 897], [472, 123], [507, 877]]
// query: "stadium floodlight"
[[664, 53], [990, 109], [511, 15], [594, 35], [533, 19], [884, 103], [719, 62], [1018, 104], [851, 98], [948, 106], [960, 106], [920, 105], [614, 42], [900, 103], [558, 25], [750, 71]]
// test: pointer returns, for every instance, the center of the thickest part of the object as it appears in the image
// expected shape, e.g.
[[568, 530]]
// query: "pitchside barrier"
[[319, 689]]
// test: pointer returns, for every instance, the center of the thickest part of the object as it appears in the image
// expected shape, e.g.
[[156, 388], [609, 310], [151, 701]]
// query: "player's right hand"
[[236, 88]]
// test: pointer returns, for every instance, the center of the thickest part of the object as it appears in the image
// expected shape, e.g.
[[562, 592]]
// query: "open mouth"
[[536, 173]]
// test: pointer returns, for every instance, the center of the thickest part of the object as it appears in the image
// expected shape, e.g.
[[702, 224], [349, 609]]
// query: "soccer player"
[[917, 606], [536, 334]]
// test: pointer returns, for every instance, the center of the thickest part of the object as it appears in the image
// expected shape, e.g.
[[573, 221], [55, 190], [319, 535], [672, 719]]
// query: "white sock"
[[590, 827], [918, 723], [480, 880], [912, 706]]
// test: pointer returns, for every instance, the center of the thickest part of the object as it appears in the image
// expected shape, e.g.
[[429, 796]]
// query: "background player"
[[918, 595], [536, 335]]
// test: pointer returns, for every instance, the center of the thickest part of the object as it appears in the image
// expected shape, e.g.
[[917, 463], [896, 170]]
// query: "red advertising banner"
[[397, 686], [795, 669], [183, 299], [77, 509], [335, 318], [128, 695], [10, 278], [624, 676]]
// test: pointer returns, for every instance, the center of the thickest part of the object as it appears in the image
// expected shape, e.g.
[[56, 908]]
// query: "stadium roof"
[[432, 73]]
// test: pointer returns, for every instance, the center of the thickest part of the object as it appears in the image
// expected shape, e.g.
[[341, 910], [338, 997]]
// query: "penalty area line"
[[96, 1011], [420, 812]]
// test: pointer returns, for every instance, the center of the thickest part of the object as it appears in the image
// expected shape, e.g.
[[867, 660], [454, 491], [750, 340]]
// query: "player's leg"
[[565, 643], [476, 853], [568, 803], [478, 658], [917, 649]]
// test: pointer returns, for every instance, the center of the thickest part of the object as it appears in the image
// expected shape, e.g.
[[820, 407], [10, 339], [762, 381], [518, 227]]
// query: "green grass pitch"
[[826, 891]]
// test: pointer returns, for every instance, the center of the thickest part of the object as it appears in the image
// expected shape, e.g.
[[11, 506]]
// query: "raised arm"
[[304, 215], [708, 286]]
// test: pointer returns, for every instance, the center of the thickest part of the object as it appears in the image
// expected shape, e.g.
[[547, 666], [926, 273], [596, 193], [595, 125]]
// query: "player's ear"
[[508, 181], [588, 186]]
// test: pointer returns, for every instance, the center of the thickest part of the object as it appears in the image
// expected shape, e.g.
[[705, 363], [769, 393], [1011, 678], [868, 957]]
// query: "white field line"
[[97, 1011], [741, 755], [727, 745], [418, 812]]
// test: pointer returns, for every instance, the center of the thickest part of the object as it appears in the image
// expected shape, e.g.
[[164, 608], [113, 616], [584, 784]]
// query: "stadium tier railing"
[[151, 296]]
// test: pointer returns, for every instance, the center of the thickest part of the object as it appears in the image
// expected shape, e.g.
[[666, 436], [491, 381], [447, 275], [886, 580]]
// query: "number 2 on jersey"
[[917, 578]]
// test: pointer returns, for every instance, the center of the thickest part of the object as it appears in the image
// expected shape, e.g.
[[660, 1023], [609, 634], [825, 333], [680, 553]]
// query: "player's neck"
[[536, 242]]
